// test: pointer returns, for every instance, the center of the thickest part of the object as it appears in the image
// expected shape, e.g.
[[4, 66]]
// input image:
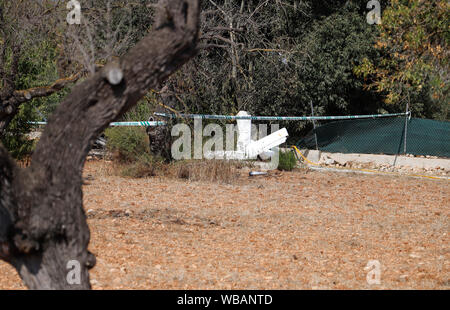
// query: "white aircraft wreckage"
[[247, 148]]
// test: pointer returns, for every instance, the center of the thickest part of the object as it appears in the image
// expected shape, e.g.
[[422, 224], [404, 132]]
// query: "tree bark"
[[42, 222]]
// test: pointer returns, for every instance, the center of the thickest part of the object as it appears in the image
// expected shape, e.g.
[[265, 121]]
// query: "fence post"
[[406, 125], [314, 125]]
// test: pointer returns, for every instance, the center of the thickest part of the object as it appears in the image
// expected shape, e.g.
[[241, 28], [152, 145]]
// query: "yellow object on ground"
[[297, 151]]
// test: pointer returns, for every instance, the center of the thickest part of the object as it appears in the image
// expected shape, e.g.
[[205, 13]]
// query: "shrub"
[[127, 144], [130, 151], [287, 161]]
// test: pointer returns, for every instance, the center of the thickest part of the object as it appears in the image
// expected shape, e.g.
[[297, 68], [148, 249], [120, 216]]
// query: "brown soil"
[[290, 230]]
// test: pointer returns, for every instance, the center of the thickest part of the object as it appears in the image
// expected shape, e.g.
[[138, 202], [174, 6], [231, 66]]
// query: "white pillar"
[[244, 132]]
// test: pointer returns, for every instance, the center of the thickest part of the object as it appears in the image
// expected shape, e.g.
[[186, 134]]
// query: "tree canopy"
[[414, 42], [267, 57]]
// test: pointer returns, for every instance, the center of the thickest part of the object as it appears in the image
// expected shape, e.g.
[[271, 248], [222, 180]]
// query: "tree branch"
[[221, 28], [10, 106], [219, 37], [36, 92]]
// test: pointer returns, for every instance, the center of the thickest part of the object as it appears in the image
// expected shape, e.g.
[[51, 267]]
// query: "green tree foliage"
[[16, 140], [414, 41], [287, 55], [127, 144], [36, 68], [130, 144]]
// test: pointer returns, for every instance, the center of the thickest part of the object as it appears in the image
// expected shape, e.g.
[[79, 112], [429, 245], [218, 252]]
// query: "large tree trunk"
[[42, 222]]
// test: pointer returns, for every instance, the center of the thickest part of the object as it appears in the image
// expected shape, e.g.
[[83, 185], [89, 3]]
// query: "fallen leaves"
[[265, 233]]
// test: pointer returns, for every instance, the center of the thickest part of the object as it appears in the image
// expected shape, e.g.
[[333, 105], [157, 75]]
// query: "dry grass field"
[[289, 230]]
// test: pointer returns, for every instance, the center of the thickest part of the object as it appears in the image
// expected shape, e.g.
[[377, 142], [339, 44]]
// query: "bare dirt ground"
[[292, 230]]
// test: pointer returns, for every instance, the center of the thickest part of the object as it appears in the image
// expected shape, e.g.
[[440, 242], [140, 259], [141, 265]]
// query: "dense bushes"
[[127, 144], [289, 57], [287, 161], [35, 68], [129, 147]]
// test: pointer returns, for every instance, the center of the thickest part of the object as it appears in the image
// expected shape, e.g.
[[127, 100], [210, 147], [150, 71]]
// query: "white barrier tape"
[[122, 124], [278, 118]]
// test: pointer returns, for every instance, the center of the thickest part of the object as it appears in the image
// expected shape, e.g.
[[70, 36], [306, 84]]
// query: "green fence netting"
[[381, 136]]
